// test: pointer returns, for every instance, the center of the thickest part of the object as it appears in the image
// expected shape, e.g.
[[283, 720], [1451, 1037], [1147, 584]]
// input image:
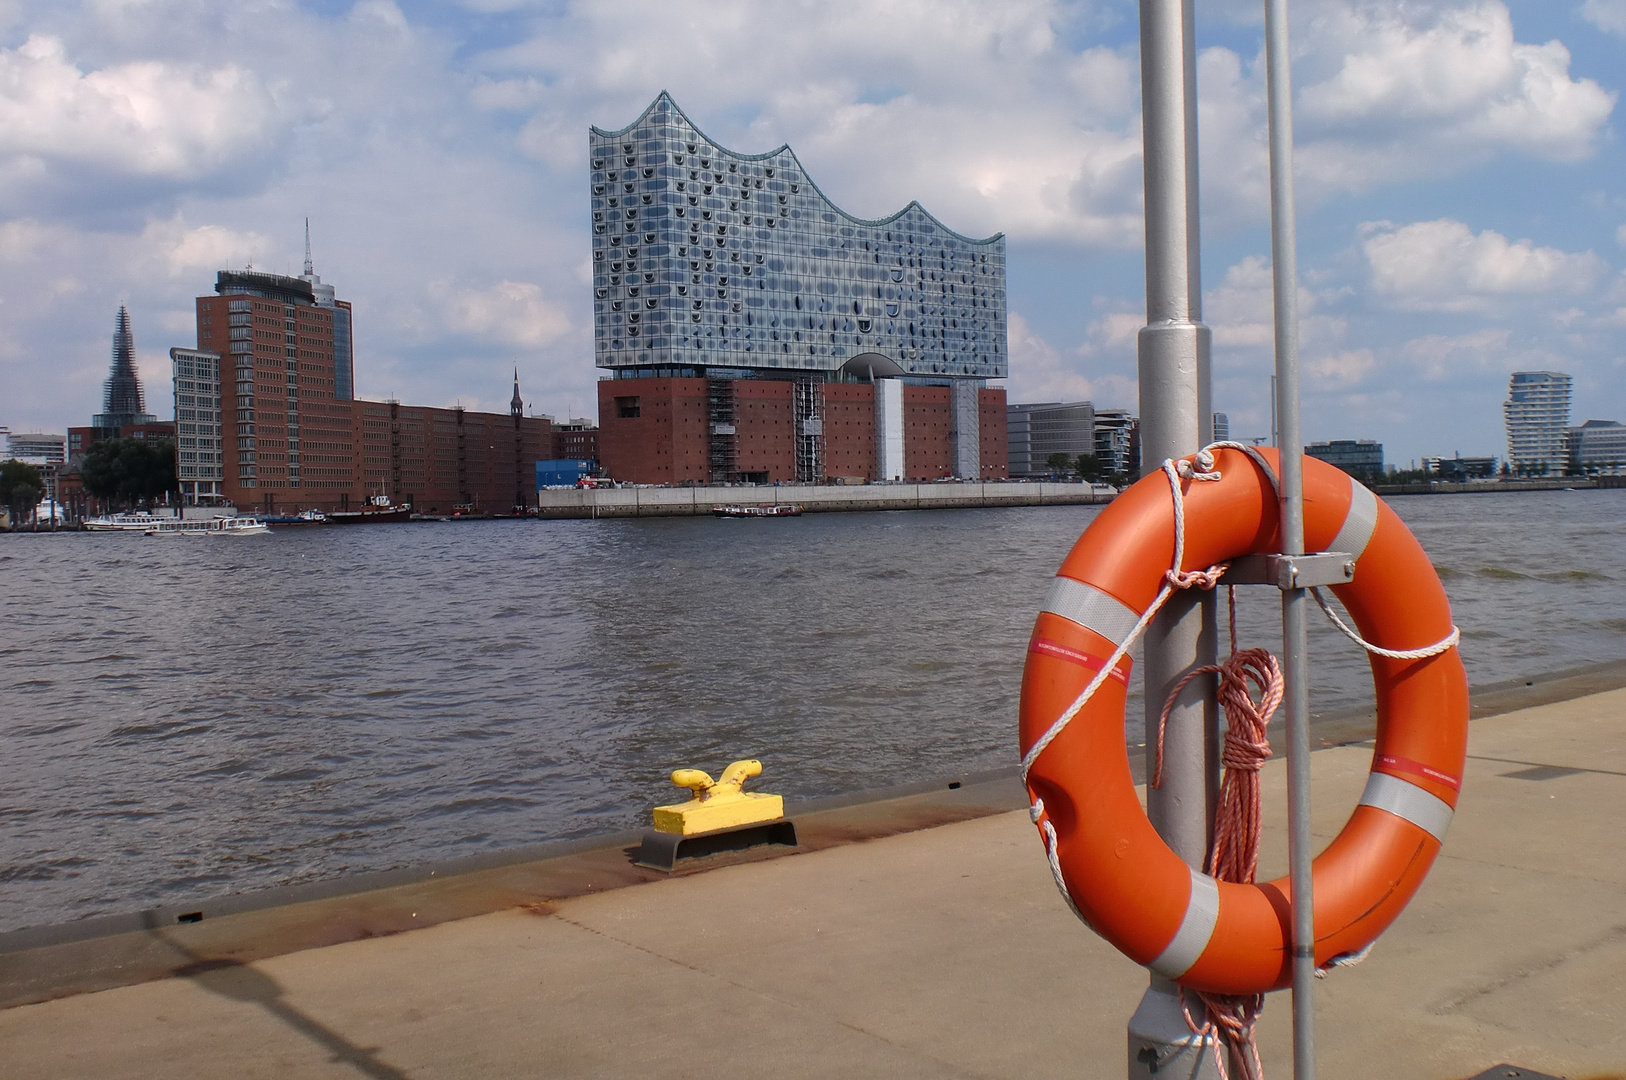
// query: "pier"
[[820, 498], [917, 935]]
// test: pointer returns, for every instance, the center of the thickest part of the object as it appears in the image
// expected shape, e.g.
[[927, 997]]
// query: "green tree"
[[21, 489], [1089, 467], [1059, 462], [129, 471]]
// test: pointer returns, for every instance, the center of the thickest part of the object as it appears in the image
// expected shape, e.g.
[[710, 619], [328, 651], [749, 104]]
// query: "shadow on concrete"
[[237, 981]]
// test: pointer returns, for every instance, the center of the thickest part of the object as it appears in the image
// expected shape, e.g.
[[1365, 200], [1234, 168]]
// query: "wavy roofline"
[[784, 148]]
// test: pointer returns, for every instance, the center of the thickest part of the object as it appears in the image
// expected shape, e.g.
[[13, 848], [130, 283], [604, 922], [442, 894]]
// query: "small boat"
[[379, 510], [223, 526], [742, 511]]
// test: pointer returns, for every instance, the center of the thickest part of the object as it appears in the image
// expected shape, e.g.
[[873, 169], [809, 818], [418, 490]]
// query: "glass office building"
[[708, 263]]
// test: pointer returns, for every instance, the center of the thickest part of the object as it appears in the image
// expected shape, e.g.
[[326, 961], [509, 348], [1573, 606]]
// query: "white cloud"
[[1444, 266], [1342, 370], [512, 312], [198, 252], [1041, 372], [1242, 310], [145, 118], [1440, 356], [1607, 15], [1388, 92]]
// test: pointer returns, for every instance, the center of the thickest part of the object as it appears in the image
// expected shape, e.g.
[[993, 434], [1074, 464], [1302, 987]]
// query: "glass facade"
[[704, 259]]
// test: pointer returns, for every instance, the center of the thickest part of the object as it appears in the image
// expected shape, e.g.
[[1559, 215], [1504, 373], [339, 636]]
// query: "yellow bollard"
[[718, 804]]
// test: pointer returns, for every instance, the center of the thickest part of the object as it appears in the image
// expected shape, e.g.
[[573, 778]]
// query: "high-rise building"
[[199, 458], [287, 432], [1222, 427], [123, 401], [293, 435], [1536, 413], [754, 330]]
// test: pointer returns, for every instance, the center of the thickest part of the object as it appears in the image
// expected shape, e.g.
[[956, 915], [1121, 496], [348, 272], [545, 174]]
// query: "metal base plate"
[[1512, 1072], [661, 851]]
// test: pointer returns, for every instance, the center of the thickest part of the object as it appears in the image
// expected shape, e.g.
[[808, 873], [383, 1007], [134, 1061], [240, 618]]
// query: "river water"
[[191, 717]]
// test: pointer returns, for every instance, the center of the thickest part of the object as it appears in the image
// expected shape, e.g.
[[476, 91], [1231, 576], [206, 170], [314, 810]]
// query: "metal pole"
[[1176, 419], [1284, 265]]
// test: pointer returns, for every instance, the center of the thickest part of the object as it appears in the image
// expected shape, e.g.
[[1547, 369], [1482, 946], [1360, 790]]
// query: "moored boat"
[[223, 526], [378, 510], [140, 521], [744, 511]]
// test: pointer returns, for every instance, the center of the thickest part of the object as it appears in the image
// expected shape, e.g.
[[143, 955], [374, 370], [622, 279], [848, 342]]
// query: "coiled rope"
[[1230, 1019]]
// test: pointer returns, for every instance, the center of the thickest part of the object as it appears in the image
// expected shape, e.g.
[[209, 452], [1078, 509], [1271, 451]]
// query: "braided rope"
[[1445, 644]]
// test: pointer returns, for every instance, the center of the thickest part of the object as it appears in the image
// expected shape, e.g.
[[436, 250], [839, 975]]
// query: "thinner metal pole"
[[1176, 419], [1284, 264]]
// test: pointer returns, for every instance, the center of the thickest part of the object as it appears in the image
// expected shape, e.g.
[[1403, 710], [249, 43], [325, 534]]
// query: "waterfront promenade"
[[940, 952]]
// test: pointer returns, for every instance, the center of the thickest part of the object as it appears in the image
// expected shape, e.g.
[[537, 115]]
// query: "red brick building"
[[293, 437], [693, 430]]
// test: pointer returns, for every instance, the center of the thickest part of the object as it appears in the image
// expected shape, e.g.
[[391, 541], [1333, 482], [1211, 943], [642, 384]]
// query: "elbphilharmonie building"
[[733, 268]]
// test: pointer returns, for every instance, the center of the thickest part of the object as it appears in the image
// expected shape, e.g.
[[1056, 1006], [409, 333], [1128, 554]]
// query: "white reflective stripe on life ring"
[[1359, 524], [1196, 928], [1406, 800], [1090, 607]]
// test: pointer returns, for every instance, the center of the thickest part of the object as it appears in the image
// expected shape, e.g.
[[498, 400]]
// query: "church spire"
[[516, 407]]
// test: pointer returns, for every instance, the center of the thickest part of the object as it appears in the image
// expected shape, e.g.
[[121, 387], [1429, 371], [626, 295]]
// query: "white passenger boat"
[[140, 521], [225, 526], [756, 511]]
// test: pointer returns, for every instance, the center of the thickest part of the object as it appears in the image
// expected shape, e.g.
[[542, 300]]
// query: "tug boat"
[[379, 510]]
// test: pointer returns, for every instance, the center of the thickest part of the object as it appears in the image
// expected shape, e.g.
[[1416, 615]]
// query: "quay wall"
[[1480, 487], [684, 501]]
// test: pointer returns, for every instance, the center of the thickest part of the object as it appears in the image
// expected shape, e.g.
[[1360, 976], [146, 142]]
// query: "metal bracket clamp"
[[1292, 571]]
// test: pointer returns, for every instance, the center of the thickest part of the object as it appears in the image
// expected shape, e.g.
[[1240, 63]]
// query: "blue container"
[[562, 473]]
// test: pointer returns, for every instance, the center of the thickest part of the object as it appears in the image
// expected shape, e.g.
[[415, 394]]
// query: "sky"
[[1460, 176]]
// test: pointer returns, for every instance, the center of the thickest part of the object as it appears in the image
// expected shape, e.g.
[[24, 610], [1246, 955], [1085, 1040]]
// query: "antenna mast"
[[310, 268]]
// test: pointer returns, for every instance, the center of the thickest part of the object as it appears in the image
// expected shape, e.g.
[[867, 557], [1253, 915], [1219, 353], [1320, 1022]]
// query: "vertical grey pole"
[[1176, 419], [1284, 264]]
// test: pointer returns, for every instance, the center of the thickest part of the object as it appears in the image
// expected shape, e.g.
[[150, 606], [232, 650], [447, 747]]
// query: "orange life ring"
[[1124, 880]]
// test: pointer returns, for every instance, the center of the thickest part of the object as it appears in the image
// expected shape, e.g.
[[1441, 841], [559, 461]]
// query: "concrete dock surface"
[[944, 952]]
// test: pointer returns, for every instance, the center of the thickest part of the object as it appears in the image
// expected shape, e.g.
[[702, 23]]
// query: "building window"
[[627, 408]]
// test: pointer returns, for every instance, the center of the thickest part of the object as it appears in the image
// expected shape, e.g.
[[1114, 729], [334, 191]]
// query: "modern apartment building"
[[1536, 413], [753, 330], [1038, 430], [36, 447], [1598, 446], [199, 458], [1117, 441], [1358, 457]]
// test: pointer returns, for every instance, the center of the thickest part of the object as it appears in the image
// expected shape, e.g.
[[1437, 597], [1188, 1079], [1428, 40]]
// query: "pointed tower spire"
[[310, 267], [516, 407]]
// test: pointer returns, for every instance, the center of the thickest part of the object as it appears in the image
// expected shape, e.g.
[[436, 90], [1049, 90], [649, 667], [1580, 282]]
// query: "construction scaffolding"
[[722, 418], [808, 400]]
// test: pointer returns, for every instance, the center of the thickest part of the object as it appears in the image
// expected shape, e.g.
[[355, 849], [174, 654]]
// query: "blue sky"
[[1462, 208]]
